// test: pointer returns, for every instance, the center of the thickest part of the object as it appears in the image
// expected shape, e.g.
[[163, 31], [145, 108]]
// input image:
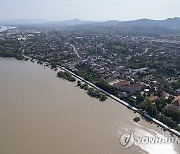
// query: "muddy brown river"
[[42, 114]]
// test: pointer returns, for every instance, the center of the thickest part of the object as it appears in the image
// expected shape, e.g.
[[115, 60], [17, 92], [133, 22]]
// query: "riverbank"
[[43, 114], [90, 91], [165, 127], [4, 28], [145, 115]]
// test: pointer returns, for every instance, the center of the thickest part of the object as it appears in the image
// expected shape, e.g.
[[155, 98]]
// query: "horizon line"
[[49, 20]]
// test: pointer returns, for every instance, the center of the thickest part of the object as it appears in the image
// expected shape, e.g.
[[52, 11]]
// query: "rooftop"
[[176, 101]]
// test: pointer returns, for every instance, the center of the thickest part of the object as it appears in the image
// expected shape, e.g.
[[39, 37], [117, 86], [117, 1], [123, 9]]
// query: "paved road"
[[125, 103], [120, 101], [75, 51]]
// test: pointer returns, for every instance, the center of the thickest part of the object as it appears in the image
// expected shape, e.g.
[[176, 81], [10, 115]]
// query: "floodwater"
[[3, 28], [42, 114]]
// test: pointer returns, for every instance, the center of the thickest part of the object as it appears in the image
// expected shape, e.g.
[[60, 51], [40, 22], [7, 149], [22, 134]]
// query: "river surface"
[[4, 28], [42, 114]]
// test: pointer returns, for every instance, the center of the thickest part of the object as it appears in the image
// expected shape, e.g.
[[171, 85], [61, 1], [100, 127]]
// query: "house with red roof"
[[121, 85], [125, 86]]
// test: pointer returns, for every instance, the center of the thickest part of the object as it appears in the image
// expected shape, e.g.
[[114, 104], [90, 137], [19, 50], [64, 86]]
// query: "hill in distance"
[[168, 23]]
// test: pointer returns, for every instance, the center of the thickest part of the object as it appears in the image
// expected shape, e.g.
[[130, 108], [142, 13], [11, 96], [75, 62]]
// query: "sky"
[[96, 10]]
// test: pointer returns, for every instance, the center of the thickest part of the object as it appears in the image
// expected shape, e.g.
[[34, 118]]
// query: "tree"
[[161, 101], [105, 86], [136, 119], [151, 110], [170, 99], [84, 86], [170, 122], [159, 107], [140, 98], [78, 83], [66, 75], [103, 97], [175, 115]]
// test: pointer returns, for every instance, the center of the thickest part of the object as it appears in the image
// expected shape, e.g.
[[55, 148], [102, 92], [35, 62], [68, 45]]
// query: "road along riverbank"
[[40, 113], [124, 103]]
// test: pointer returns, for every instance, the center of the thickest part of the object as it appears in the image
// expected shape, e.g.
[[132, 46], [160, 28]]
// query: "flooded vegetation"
[[40, 113]]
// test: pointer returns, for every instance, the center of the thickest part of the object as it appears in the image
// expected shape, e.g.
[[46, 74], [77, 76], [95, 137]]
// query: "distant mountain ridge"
[[168, 23], [73, 22]]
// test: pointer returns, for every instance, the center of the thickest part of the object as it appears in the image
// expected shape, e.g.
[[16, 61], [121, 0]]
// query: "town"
[[141, 70]]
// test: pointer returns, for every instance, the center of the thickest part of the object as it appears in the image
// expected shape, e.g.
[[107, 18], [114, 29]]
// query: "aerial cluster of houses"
[[94, 50]]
